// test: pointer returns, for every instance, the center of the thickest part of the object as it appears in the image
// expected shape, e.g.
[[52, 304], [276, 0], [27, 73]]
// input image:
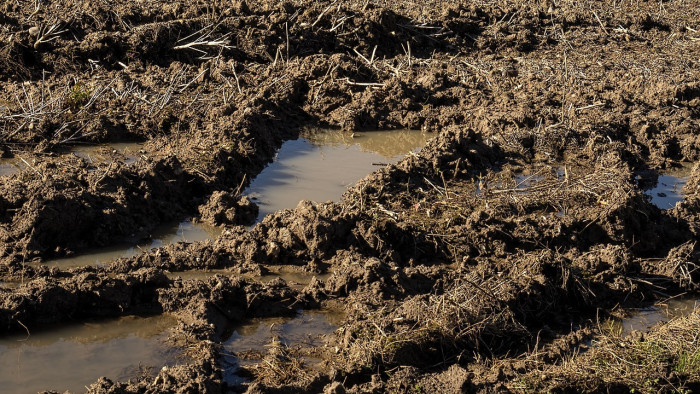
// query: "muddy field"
[[558, 192]]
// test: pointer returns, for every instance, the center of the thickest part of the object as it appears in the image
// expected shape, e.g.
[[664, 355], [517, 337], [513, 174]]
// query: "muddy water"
[[186, 231], [71, 357], [319, 166], [322, 164], [250, 341], [644, 319], [9, 285], [669, 188], [8, 167], [294, 278], [13, 166], [130, 151]]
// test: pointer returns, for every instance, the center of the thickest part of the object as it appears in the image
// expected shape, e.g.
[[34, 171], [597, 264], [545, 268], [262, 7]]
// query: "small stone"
[[34, 31]]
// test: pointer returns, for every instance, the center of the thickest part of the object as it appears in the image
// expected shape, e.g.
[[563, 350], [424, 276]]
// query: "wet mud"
[[558, 190]]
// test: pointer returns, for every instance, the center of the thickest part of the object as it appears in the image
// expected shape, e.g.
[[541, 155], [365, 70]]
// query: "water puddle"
[[198, 274], [186, 231], [9, 285], [71, 357], [644, 319], [321, 165], [295, 279], [524, 181], [9, 167], [250, 341], [668, 189], [127, 152]]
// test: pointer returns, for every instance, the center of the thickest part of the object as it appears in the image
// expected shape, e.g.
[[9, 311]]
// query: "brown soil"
[[487, 262]]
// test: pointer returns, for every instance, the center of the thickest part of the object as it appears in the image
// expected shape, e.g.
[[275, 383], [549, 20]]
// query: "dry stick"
[[30, 166], [49, 35], [374, 51], [25, 327], [30, 101], [340, 23], [365, 59], [193, 79], [240, 186], [197, 32], [408, 52], [221, 42], [277, 55], [601, 23], [589, 106], [286, 29], [323, 13], [103, 176], [238, 83], [372, 84]]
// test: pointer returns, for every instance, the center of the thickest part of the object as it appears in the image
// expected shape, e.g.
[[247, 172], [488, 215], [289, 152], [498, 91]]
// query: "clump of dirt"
[[224, 208], [45, 301]]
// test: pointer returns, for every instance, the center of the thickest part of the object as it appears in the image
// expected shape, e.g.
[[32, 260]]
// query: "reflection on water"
[[387, 144], [669, 188], [127, 152], [198, 274], [71, 357], [167, 234], [9, 285], [322, 164], [307, 328], [9, 167], [526, 180], [667, 192], [318, 167], [102, 153], [294, 278], [646, 318]]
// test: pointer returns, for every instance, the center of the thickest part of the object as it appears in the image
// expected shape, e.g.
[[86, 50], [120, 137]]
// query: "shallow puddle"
[[295, 279], [9, 285], [101, 153], [71, 357], [8, 167], [668, 189], [320, 165], [198, 274], [249, 342], [525, 181], [128, 151], [644, 319], [12, 166], [186, 231]]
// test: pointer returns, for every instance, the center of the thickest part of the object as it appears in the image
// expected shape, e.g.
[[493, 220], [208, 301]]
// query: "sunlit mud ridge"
[[559, 190]]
